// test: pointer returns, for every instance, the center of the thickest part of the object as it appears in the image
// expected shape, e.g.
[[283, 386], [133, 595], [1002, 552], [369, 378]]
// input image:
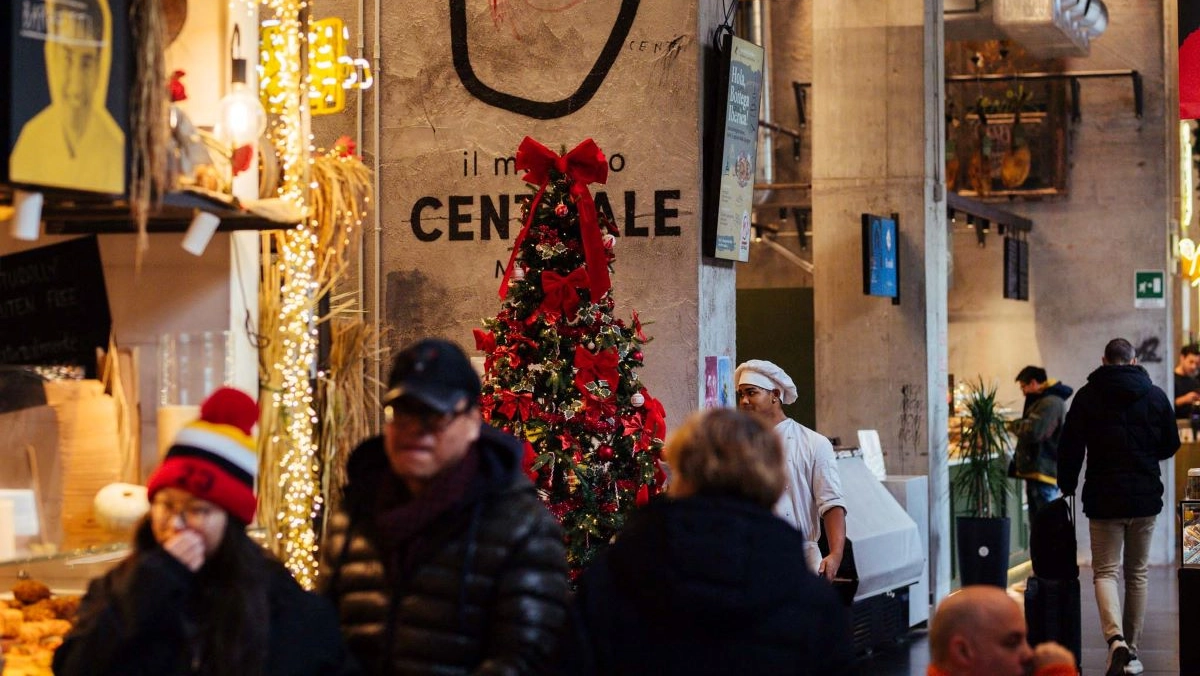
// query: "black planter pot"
[[982, 550]]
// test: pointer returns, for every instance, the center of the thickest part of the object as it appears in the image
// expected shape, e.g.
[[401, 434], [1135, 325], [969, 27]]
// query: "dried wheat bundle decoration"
[[270, 379], [338, 204], [339, 201], [345, 396], [149, 124]]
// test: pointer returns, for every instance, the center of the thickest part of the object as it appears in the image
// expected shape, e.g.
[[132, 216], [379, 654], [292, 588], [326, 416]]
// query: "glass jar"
[[1192, 490], [190, 367]]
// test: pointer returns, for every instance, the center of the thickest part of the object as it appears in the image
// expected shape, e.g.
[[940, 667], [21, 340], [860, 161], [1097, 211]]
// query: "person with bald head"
[[814, 488], [980, 631]]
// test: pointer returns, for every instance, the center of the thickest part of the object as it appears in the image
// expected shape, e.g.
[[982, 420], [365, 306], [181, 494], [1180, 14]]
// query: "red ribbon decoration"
[[485, 341], [637, 328], [560, 294], [583, 165], [655, 421], [528, 457], [516, 402], [591, 367]]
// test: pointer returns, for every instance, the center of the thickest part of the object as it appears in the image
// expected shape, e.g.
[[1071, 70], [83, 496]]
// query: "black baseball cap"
[[436, 373]]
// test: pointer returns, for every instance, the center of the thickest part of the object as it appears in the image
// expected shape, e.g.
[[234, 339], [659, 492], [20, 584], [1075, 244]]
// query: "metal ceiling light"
[[1051, 28]]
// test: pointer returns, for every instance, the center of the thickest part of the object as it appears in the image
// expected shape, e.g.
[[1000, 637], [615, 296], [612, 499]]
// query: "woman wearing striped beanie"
[[197, 595]]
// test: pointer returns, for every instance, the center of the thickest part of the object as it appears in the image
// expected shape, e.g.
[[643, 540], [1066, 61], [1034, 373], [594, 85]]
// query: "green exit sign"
[[1149, 289]]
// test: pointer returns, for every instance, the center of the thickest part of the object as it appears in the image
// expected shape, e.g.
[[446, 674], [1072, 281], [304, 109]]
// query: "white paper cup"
[[200, 232], [27, 215]]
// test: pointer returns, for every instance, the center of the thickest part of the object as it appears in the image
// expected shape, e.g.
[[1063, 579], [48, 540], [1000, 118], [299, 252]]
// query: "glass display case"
[[1189, 533]]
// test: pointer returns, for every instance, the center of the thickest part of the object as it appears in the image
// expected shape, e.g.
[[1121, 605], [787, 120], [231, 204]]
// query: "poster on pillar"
[[65, 74], [466, 82]]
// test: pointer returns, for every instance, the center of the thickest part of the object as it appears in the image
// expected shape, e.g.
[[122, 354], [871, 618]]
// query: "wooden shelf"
[[75, 213]]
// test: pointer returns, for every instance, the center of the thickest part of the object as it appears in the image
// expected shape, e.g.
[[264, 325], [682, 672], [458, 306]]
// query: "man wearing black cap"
[[443, 558]]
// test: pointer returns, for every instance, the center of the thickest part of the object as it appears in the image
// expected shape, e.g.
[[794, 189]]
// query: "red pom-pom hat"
[[213, 458]]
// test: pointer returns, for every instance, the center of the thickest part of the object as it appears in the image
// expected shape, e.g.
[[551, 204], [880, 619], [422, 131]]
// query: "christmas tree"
[[560, 369]]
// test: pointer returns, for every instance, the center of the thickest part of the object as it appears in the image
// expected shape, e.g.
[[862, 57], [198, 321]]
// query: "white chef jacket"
[[813, 484]]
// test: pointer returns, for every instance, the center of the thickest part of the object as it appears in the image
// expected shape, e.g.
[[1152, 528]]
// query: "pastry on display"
[[30, 591], [32, 626]]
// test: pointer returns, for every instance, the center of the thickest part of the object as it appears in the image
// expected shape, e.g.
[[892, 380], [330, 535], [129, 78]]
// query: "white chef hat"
[[766, 375]]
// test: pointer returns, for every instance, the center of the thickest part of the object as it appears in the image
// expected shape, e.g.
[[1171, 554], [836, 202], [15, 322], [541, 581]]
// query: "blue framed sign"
[[881, 256]]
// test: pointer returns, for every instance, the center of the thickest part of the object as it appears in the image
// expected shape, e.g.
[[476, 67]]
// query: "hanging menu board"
[[1016, 268], [53, 305], [730, 185]]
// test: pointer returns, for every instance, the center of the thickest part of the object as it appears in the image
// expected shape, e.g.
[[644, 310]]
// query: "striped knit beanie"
[[213, 458]]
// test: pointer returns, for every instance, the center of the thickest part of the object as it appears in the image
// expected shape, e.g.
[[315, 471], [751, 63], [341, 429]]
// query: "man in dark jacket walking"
[[1038, 432], [443, 560], [1126, 426]]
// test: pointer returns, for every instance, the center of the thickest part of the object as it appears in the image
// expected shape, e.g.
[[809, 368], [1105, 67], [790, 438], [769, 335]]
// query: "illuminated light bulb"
[[241, 117], [1187, 248]]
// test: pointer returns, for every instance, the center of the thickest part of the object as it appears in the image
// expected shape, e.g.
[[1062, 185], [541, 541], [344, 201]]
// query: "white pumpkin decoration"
[[119, 506]]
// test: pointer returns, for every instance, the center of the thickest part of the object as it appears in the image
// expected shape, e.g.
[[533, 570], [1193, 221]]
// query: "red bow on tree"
[[583, 165], [485, 341], [515, 402], [592, 367], [560, 294], [637, 328], [655, 420], [527, 459]]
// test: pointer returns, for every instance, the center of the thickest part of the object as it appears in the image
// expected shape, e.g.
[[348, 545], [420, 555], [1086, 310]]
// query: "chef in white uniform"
[[814, 487]]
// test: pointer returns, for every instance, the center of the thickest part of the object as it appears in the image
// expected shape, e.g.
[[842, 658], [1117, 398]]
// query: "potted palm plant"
[[980, 489]]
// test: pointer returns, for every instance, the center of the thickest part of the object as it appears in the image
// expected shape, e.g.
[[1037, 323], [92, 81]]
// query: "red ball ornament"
[[560, 210], [638, 355], [605, 452]]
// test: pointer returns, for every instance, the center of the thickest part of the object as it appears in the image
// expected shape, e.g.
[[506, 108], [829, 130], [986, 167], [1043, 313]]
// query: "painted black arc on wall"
[[541, 110]]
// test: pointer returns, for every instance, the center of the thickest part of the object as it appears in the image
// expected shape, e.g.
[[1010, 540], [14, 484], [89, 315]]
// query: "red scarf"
[[403, 520]]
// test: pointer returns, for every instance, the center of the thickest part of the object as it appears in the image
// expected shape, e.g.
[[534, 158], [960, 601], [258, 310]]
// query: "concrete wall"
[[990, 337], [645, 115], [1084, 248], [877, 92]]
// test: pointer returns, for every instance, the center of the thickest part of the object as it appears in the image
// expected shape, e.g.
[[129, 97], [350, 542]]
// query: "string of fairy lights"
[[292, 529]]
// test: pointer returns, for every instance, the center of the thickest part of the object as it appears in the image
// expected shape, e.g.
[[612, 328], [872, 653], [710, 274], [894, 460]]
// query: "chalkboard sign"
[[53, 305]]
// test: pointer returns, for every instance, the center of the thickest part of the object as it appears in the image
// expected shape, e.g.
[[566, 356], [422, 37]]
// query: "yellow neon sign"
[[331, 72]]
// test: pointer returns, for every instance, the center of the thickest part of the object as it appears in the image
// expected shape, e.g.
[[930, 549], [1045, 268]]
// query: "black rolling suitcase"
[[1052, 613], [1052, 593]]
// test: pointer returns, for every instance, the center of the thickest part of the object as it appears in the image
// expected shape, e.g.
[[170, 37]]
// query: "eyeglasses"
[[192, 512], [750, 392], [422, 418]]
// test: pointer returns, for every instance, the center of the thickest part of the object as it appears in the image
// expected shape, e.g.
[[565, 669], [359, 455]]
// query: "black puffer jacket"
[[1126, 426], [134, 622], [488, 598], [706, 585]]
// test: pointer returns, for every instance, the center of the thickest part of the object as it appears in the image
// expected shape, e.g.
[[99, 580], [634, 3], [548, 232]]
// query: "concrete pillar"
[[445, 132], [877, 118]]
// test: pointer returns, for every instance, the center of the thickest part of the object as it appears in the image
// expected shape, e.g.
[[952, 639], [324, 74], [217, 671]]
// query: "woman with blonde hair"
[[709, 581]]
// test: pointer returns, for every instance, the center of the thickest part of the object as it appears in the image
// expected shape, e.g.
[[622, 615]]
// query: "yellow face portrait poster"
[[70, 113]]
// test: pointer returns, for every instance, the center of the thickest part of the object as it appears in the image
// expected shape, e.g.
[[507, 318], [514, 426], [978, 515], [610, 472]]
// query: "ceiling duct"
[[1051, 28]]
